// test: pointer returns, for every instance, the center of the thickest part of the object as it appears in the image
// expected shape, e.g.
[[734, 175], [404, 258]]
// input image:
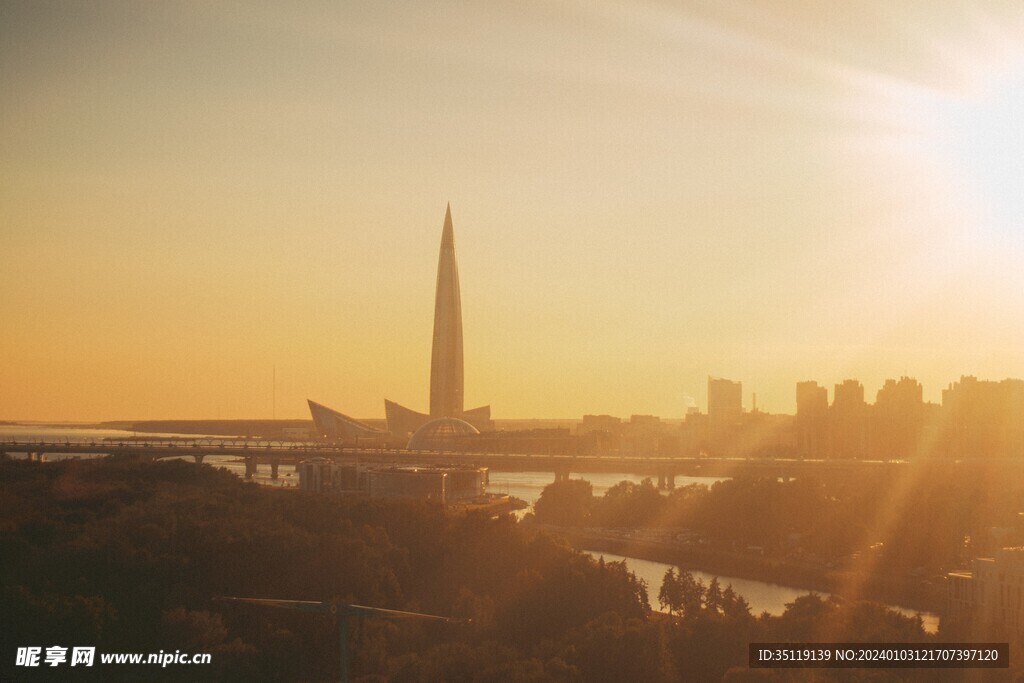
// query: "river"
[[528, 485]]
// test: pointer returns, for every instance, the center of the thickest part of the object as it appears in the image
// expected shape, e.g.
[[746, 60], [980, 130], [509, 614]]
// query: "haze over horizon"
[[642, 195]]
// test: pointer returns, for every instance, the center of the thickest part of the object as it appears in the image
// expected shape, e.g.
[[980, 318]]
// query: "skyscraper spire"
[[446, 378]]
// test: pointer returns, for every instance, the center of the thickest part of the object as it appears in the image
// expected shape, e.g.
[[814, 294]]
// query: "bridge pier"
[[274, 463], [199, 458], [562, 474], [250, 466], [666, 480]]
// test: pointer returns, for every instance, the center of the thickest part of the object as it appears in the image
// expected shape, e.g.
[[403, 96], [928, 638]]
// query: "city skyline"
[[195, 199]]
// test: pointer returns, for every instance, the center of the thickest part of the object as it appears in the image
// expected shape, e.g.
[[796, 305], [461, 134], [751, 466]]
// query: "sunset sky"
[[193, 194]]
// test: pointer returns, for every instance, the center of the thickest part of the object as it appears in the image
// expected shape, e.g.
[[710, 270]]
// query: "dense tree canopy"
[[566, 502], [128, 557]]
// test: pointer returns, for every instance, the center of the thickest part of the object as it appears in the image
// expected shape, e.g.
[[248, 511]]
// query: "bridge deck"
[[291, 453]]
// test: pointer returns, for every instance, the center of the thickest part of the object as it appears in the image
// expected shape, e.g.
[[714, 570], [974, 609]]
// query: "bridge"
[[276, 453]]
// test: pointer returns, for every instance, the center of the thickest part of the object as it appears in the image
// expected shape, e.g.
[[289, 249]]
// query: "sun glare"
[[981, 136]]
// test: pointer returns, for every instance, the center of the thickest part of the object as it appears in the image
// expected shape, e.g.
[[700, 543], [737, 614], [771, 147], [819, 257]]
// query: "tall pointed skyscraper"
[[448, 417], [446, 379]]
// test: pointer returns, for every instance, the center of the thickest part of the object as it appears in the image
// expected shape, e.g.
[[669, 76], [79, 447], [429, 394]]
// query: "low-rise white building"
[[445, 484], [321, 474], [989, 598]]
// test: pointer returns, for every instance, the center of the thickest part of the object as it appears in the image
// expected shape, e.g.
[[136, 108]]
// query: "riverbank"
[[906, 591]]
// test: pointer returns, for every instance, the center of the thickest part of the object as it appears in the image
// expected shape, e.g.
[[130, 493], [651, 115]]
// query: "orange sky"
[[192, 194]]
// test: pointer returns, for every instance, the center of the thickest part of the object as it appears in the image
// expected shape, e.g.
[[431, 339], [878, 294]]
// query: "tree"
[[714, 598], [565, 503], [682, 593], [669, 596]]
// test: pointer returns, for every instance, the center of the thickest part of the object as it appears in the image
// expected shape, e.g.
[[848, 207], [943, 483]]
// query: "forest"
[[130, 557]]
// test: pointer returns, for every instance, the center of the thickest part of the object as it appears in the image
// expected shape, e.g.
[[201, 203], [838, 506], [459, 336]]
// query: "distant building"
[[755, 435], [977, 418], [848, 421], [811, 399], [319, 475], [599, 423], [898, 419], [645, 422], [441, 484], [849, 394], [983, 418], [725, 400], [551, 440], [647, 435], [693, 434], [725, 409], [811, 416]]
